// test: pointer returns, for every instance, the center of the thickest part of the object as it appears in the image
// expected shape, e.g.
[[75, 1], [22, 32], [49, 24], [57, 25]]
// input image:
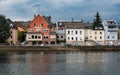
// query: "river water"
[[60, 63]]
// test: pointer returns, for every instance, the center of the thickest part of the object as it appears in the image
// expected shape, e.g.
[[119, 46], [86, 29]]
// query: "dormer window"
[[34, 24], [100, 27], [60, 24], [96, 28], [11, 25], [41, 24], [45, 30], [31, 30]]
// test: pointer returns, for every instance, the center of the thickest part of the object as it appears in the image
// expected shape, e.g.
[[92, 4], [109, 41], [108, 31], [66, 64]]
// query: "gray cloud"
[[61, 9]]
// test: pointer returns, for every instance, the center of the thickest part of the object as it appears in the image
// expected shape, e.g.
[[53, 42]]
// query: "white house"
[[111, 31], [34, 38], [75, 33]]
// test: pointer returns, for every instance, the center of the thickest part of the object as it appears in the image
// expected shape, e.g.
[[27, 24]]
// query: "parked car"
[[23, 43], [75, 45], [67, 45]]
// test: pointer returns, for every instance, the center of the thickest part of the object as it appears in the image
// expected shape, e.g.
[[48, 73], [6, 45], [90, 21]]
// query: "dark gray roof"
[[25, 23], [11, 22], [62, 23], [74, 25], [88, 25], [22, 23], [98, 27], [48, 19], [111, 23]]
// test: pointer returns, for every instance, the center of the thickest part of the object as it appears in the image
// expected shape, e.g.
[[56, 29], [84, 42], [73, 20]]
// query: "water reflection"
[[59, 63]]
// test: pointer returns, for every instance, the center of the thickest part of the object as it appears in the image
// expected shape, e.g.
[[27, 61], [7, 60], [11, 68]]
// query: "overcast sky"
[[61, 9]]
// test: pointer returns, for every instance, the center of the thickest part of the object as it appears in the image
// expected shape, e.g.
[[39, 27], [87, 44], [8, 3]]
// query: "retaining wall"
[[59, 48]]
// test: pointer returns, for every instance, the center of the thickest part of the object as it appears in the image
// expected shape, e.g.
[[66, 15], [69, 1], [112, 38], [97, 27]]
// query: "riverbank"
[[59, 48]]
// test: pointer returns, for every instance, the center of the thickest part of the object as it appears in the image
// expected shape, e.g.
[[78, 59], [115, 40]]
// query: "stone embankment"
[[59, 48]]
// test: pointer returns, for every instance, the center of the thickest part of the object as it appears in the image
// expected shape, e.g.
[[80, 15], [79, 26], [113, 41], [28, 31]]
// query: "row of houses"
[[80, 33], [41, 31]]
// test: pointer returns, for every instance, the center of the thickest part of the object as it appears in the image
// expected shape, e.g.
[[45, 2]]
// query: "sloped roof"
[[88, 25], [11, 22], [23, 24], [20, 26], [74, 25], [98, 27], [38, 19]]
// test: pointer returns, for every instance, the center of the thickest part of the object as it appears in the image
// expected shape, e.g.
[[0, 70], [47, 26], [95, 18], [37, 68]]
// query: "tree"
[[97, 20], [21, 36], [4, 29]]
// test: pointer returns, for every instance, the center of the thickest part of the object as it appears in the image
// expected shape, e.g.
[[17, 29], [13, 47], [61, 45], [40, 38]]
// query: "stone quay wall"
[[59, 48]]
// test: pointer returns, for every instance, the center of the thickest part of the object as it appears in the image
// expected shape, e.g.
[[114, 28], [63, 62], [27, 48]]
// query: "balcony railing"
[[112, 29]]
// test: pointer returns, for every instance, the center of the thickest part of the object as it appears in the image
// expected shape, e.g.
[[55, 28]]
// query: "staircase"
[[92, 42]]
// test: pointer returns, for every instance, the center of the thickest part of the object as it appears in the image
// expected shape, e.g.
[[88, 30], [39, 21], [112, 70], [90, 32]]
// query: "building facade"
[[34, 38], [111, 32], [60, 31], [94, 35], [38, 32], [75, 33], [13, 39]]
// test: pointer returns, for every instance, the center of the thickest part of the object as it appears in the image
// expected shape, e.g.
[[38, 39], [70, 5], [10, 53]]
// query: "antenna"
[[38, 7]]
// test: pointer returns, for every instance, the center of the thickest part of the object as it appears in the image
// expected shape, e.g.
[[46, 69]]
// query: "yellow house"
[[93, 35]]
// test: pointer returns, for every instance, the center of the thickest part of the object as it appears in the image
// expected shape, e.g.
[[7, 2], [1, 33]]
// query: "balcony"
[[112, 29]]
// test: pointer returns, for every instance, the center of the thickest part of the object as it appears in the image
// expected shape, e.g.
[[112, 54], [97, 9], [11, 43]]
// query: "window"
[[113, 37], [76, 32], [72, 32], [100, 28], [32, 36], [68, 32], [68, 38], [80, 38], [46, 37], [28, 37], [38, 30], [41, 24], [108, 37], [60, 24], [57, 36], [76, 38], [80, 32], [35, 37], [34, 24], [100, 37], [31, 30], [39, 37], [45, 30], [72, 38], [11, 36], [61, 36], [95, 32], [95, 37], [100, 32]]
